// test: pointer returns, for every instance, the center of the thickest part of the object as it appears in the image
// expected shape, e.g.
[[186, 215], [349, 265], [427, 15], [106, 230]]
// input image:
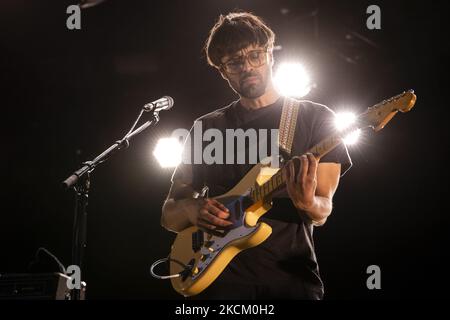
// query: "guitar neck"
[[277, 181], [375, 117]]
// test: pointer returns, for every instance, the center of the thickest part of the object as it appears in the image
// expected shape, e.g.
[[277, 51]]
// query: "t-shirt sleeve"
[[323, 127], [187, 172]]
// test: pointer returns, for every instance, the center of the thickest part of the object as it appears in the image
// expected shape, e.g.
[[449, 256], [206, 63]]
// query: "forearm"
[[175, 214], [319, 210]]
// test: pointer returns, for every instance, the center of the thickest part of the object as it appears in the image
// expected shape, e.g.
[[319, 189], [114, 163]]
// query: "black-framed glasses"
[[255, 58]]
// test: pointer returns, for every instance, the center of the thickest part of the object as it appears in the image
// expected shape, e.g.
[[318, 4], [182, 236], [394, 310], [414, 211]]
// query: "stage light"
[[292, 80], [168, 152], [352, 137], [344, 119]]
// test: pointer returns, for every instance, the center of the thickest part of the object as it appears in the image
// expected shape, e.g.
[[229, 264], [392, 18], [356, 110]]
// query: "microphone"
[[164, 103]]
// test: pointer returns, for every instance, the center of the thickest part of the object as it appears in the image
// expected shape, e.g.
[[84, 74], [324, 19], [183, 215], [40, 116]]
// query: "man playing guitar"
[[240, 47]]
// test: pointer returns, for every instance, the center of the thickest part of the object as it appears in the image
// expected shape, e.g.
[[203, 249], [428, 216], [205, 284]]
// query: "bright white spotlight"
[[168, 152], [352, 137], [292, 80], [344, 119]]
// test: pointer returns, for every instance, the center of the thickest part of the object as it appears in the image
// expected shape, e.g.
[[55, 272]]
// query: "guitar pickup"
[[197, 240]]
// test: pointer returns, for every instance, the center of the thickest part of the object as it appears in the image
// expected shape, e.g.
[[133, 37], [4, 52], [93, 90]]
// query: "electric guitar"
[[199, 257]]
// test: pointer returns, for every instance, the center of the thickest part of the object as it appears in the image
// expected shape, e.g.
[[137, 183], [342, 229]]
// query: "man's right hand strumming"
[[210, 215], [207, 214]]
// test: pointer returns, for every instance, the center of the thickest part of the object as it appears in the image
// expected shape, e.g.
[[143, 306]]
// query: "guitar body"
[[201, 257]]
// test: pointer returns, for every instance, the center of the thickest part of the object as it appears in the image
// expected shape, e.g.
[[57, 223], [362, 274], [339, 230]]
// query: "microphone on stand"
[[164, 103]]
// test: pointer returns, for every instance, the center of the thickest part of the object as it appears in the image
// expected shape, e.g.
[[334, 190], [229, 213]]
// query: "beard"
[[252, 90]]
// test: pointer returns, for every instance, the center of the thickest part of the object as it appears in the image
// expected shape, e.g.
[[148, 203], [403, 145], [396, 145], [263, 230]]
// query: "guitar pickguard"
[[214, 245]]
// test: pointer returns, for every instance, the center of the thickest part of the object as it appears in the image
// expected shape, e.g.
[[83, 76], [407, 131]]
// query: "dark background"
[[67, 95]]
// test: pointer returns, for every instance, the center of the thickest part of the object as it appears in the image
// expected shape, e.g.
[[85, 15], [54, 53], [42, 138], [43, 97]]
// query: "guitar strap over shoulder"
[[288, 122]]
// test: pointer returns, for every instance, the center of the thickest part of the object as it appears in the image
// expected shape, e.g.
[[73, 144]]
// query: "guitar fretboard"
[[277, 181]]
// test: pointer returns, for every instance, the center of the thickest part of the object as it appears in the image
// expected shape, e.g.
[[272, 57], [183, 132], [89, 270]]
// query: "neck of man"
[[269, 97]]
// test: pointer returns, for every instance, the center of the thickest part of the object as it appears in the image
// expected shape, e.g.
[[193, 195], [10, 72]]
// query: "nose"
[[246, 66]]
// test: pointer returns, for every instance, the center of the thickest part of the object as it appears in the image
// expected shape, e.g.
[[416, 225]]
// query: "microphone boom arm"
[[79, 181], [89, 166]]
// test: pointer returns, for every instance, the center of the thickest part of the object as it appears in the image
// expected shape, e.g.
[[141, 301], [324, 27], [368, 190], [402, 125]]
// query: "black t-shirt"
[[285, 264]]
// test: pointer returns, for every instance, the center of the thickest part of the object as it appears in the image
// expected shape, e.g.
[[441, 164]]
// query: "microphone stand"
[[79, 181]]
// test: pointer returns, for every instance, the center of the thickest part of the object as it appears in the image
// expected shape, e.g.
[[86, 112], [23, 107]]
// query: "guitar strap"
[[286, 132], [288, 122]]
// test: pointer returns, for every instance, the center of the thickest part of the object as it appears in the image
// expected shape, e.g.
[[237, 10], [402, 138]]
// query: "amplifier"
[[34, 286]]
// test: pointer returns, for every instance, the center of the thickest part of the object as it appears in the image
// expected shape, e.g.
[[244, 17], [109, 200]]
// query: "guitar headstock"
[[380, 114]]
